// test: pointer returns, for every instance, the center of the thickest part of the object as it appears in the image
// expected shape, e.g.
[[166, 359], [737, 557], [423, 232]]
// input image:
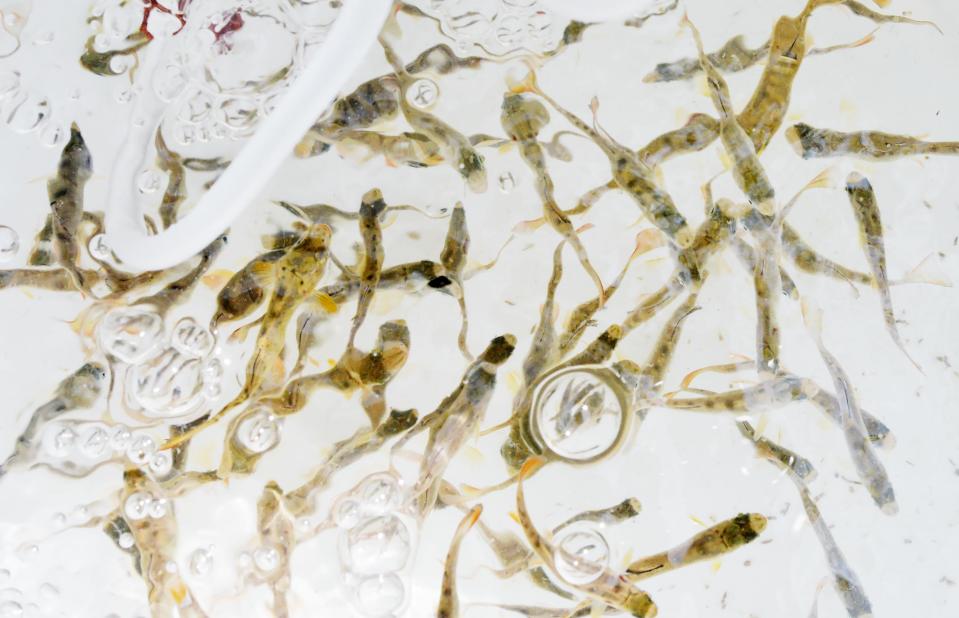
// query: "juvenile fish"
[[456, 418], [66, 204], [797, 464], [869, 468], [454, 146], [371, 207], [847, 584], [407, 148], [453, 258], [618, 513], [175, 192], [276, 532], [177, 291], [629, 171], [78, 390], [57, 280], [862, 198], [715, 541], [812, 143], [299, 501], [99, 63], [523, 119], [297, 274], [748, 172], [697, 134], [246, 289], [449, 602], [542, 349], [609, 587], [767, 395]]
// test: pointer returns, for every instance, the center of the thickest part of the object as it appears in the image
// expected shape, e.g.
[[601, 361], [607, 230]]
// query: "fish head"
[[499, 350], [522, 117], [316, 239], [399, 421], [372, 203], [472, 167]]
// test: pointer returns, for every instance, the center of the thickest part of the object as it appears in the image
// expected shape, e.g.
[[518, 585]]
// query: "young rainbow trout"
[[812, 143], [454, 146], [715, 541], [456, 418], [608, 588], [297, 274], [522, 119], [629, 171], [371, 207], [862, 198], [449, 606], [65, 191]]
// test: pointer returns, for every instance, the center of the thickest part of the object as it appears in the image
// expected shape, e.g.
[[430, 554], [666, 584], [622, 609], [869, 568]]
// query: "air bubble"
[[11, 609], [266, 558], [120, 63], [137, 505], [58, 441], [185, 134], [44, 38], [196, 109], [120, 437], [510, 31], [378, 545], [201, 561], [578, 414], [126, 540], [507, 182], [130, 334], [53, 135], [149, 181], [48, 591], [160, 464], [192, 339], [380, 596], [379, 492], [94, 442], [124, 95], [9, 243], [141, 450], [423, 93], [258, 433], [239, 114], [159, 508], [581, 556], [346, 514], [98, 247], [167, 386]]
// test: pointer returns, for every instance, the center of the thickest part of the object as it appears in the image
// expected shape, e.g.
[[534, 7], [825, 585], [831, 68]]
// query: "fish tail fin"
[[530, 467], [927, 271], [527, 84]]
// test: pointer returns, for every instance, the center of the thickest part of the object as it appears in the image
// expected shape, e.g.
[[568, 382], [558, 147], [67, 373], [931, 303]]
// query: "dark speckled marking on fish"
[[812, 143], [713, 542]]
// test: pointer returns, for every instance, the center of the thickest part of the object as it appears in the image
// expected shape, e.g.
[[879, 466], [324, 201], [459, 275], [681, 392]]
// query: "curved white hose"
[[354, 30]]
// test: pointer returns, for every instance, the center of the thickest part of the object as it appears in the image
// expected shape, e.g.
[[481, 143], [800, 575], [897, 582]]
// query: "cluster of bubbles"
[[165, 379], [142, 505], [375, 545], [259, 431], [233, 60], [77, 447], [14, 603], [497, 27], [579, 414]]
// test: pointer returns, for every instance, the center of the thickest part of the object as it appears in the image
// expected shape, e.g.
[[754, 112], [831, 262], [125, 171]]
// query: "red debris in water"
[[151, 5], [234, 23]]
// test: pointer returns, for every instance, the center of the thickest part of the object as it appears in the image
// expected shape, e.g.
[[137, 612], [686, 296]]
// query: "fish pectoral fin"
[[240, 334], [262, 272], [324, 302]]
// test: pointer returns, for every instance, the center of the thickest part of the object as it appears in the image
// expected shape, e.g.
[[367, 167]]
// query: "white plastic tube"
[[351, 35]]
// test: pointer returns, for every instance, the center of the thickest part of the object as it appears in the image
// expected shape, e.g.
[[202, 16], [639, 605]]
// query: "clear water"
[[362, 553]]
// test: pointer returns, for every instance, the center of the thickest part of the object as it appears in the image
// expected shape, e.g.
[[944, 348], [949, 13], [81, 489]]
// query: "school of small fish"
[[298, 284]]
